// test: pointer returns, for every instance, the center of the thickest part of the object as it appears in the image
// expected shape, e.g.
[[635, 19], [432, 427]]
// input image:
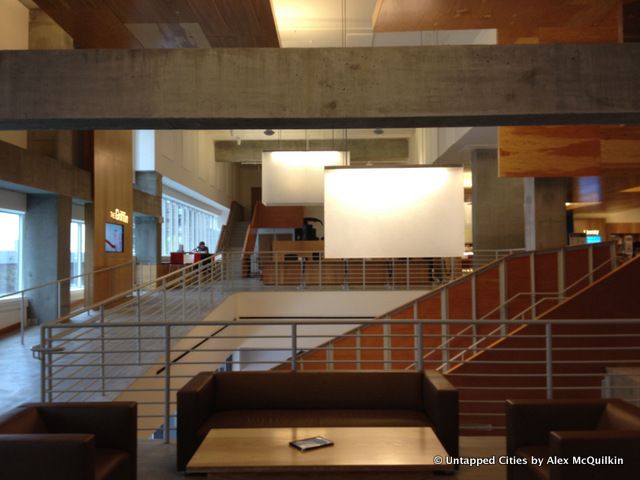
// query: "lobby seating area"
[[70, 441], [315, 399]]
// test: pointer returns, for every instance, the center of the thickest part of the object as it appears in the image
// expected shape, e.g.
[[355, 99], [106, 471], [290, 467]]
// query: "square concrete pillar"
[[46, 254], [498, 212], [545, 212]]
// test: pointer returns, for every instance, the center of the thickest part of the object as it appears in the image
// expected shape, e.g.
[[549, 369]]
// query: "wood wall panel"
[[278, 217], [371, 344], [546, 272], [623, 228], [414, 15], [576, 150], [552, 151], [113, 188], [576, 269], [582, 150], [582, 224], [488, 293], [518, 281], [601, 261], [344, 354]]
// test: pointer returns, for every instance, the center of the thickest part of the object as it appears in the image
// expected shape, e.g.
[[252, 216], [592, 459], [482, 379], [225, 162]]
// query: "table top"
[[355, 448]]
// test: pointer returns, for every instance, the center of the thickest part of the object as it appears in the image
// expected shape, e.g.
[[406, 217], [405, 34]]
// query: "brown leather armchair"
[[69, 441], [597, 439]]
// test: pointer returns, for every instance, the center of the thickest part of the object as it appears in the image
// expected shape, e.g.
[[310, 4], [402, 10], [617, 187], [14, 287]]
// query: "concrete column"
[[498, 214], [148, 239], [46, 254], [545, 213], [149, 182]]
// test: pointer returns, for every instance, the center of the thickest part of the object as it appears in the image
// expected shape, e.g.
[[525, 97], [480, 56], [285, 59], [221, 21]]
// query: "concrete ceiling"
[[325, 134]]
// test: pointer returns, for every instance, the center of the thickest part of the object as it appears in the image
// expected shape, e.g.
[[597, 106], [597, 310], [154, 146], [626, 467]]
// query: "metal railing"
[[148, 362], [57, 288], [540, 302], [312, 270]]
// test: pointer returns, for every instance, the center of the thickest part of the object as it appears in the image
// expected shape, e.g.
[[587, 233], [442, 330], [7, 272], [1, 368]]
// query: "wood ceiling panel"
[[413, 15], [165, 23]]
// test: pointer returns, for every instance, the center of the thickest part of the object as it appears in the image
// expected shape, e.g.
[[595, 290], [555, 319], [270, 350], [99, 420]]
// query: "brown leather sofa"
[[603, 430], [70, 441], [308, 399]]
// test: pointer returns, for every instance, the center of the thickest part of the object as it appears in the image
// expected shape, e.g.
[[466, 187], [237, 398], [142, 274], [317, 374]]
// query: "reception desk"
[[185, 258]]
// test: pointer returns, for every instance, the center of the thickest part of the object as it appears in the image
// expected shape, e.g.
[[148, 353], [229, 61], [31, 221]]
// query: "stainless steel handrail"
[[98, 367]]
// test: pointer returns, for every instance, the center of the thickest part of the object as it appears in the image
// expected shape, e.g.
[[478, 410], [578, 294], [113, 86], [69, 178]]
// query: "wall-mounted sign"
[[591, 232], [119, 215]]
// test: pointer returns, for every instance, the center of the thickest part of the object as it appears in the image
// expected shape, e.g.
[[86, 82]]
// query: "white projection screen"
[[394, 212], [297, 178]]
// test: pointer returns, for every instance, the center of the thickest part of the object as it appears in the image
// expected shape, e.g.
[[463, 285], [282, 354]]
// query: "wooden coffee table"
[[359, 453]]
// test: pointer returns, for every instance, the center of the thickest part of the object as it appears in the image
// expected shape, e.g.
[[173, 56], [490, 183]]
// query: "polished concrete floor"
[[156, 461], [19, 371], [20, 383]]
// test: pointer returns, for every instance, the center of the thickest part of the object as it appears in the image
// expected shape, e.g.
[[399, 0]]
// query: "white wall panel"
[[296, 178], [394, 212]]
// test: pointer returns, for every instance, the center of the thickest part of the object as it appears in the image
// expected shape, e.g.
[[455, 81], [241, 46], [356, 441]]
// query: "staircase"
[[234, 247], [490, 362]]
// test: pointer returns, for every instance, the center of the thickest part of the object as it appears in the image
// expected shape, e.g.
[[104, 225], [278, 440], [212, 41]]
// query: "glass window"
[[10, 252], [185, 225], [77, 253]]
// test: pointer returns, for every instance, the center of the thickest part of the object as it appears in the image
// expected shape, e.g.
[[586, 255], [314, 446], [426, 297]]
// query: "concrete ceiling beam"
[[320, 88], [361, 151]]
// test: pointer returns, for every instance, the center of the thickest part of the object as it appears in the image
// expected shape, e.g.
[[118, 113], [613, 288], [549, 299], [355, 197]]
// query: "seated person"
[[201, 248]]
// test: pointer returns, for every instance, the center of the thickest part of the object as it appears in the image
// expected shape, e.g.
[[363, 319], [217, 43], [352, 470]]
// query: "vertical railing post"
[[164, 301], [590, 263], [419, 342], [532, 283], [294, 347], [139, 328], [613, 253], [444, 329], [408, 274], [320, 261], [43, 365], [474, 312], [393, 274], [199, 284], [364, 276], [222, 269], [561, 273], [549, 360], [59, 293], [277, 268], [386, 345], [329, 356], [184, 297], [103, 356], [23, 317], [167, 383], [503, 296], [358, 350]]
